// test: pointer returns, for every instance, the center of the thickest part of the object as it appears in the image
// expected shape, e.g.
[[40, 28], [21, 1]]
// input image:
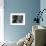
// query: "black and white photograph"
[[17, 19]]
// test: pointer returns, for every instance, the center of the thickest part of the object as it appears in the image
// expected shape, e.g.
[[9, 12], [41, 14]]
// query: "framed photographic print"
[[17, 19]]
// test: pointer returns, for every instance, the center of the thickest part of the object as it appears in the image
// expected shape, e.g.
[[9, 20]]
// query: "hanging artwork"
[[17, 18]]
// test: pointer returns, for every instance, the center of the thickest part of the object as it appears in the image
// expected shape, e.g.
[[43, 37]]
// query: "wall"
[[43, 6], [29, 7]]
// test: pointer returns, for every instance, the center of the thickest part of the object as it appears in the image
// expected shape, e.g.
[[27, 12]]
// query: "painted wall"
[[29, 7], [43, 6]]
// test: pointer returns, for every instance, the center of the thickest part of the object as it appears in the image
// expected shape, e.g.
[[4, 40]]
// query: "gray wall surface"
[[43, 6], [29, 7]]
